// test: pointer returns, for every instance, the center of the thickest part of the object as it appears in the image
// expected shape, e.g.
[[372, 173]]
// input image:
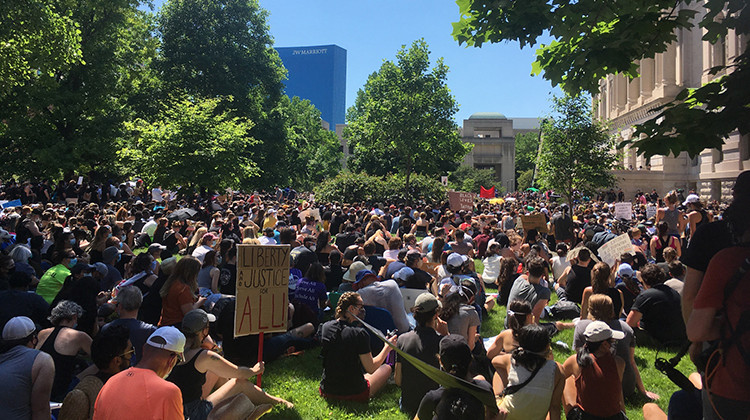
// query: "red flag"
[[487, 193]]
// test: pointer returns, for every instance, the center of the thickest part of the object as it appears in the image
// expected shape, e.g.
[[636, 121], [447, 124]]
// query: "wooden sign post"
[[262, 291]]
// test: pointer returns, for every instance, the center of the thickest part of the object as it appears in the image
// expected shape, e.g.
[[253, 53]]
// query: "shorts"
[[197, 410], [362, 397]]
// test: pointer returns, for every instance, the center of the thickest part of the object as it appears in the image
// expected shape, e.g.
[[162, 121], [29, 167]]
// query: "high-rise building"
[[318, 73]]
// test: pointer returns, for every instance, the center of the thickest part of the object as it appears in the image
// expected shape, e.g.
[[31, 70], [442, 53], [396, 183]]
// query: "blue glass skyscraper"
[[318, 73]]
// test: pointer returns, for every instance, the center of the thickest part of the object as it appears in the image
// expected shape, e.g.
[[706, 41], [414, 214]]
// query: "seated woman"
[[460, 314], [207, 380], [602, 282], [452, 403], [594, 389], [346, 353], [519, 314], [532, 384]]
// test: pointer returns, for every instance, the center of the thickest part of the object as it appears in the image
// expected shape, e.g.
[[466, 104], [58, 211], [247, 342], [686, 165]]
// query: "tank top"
[[188, 379], [671, 217], [15, 388], [64, 366], [204, 277], [532, 401], [599, 388], [579, 278]]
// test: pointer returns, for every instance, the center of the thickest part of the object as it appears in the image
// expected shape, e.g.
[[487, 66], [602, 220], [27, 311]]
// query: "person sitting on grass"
[[346, 353], [593, 388], [453, 403], [518, 315], [532, 383], [657, 310], [601, 283], [207, 380]]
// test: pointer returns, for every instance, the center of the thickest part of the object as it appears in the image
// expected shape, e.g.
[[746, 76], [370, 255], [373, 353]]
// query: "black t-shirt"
[[344, 240], [662, 317], [475, 410], [424, 344], [334, 277], [578, 279], [419, 280], [302, 258], [376, 262], [563, 227], [707, 240], [336, 223], [228, 279], [19, 303], [342, 370]]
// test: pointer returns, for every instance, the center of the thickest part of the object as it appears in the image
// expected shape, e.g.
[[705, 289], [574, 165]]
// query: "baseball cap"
[[78, 268], [168, 338], [354, 269], [196, 320], [403, 273], [101, 268], [625, 270], [18, 327], [599, 331], [363, 274], [110, 253], [454, 351], [457, 260], [692, 198], [426, 302], [153, 247]]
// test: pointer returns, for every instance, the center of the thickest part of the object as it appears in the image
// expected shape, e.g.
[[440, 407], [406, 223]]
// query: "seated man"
[[383, 294], [111, 352], [127, 303], [657, 309], [529, 288]]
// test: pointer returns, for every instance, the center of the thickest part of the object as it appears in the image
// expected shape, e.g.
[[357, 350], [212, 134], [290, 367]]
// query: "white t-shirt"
[[559, 265], [156, 195]]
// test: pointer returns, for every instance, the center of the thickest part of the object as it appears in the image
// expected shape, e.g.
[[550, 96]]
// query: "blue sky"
[[494, 78]]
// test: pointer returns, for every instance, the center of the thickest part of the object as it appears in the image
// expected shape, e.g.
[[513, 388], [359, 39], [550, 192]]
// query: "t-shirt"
[[731, 378], [707, 240], [52, 281], [579, 278], [424, 344], [662, 316], [302, 258], [310, 293], [138, 393], [465, 318], [139, 332], [431, 400], [387, 295], [563, 226], [419, 280], [528, 292], [343, 373], [19, 303], [171, 311]]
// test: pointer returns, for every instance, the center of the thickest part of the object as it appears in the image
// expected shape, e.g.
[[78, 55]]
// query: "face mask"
[[152, 267], [73, 262], [120, 245], [122, 238], [72, 241], [119, 257], [219, 260], [312, 248]]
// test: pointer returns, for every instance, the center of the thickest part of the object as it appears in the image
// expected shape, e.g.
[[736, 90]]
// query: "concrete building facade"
[[625, 103], [493, 138]]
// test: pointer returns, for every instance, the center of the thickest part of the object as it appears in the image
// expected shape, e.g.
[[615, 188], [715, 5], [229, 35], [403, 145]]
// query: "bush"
[[470, 179], [350, 187]]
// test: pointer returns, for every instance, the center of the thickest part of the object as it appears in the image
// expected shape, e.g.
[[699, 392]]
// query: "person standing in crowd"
[[140, 391], [346, 353], [27, 374], [670, 214]]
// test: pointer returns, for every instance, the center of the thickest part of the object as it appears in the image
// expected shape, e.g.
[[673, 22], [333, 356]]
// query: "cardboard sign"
[[612, 250], [444, 180], [534, 221], [310, 212], [650, 211], [262, 289], [461, 200], [624, 211], [13, 203]]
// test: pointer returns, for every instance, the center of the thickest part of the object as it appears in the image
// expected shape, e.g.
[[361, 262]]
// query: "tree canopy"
[[576, 149], [402, 120], [592, 39]]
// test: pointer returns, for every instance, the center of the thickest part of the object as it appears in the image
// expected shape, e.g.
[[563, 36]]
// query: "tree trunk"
[[408, 177]]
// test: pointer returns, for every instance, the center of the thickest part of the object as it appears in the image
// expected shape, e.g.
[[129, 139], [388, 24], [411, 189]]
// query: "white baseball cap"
[[599, 331], [356, 267], [168, 338], [18, 327], [456, 260], [692, 198]]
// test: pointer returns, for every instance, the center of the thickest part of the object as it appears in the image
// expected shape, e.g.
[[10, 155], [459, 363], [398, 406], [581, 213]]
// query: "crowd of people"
[[118, 301]]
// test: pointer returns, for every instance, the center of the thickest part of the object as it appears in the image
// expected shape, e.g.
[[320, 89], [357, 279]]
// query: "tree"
[[527, 148], [192, 145], [469, 178], [71, 121], [594, 39], [36, 37], [222, 48], [404, 116], [576, 149], [312, 153]]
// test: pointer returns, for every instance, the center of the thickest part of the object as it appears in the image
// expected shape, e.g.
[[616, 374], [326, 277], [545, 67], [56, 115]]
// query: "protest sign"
[[534, 221], [612, 250], [262, 289], [444, 180], [310, 212], [80, 180], [461, 200], [12, 203], [624, 211], [650, 211]]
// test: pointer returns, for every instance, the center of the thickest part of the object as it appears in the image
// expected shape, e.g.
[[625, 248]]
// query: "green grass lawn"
[[296, 378]]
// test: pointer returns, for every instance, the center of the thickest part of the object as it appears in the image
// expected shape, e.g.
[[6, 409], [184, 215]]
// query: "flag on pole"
[[487, 193]]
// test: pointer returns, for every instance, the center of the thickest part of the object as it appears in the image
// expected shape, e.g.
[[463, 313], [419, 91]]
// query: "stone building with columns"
[[625, 103]]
